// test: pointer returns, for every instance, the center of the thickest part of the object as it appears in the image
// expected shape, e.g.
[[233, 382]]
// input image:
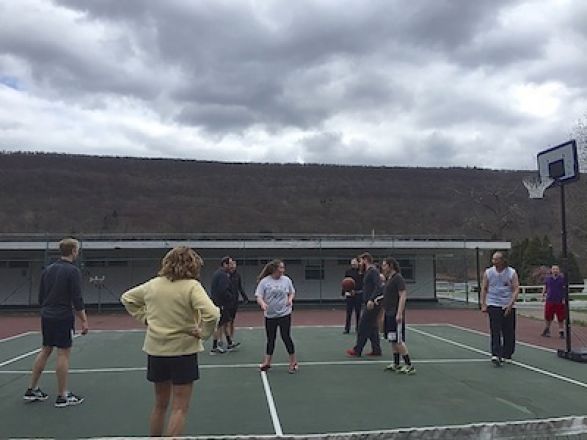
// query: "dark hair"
[[366, 256], [390, 261], [225, 260], [269, 268]]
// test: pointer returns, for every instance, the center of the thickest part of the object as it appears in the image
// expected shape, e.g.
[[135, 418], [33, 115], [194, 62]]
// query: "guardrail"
[[528, 294]]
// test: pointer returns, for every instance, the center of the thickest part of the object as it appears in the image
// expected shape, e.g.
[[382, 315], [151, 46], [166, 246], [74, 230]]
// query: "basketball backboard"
[[559, 163]]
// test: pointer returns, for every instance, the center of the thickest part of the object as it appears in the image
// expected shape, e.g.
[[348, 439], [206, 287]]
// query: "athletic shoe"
[[407, 369], [352, 353], [264, 367], [293, 368], [217, 350], [393, 367], [545, 333], [374, 354], [69, 400], [561, 335], [346, 332], [233, 346], [496, 361], [507, 361], [35, 395]]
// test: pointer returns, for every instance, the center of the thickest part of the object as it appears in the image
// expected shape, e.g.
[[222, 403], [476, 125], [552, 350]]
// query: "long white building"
[[110, 264]]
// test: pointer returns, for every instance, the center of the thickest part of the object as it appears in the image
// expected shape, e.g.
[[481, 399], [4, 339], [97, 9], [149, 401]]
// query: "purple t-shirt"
[[555, 289]]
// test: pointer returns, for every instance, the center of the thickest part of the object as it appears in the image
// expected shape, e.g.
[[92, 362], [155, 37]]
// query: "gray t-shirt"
[[275, 292]]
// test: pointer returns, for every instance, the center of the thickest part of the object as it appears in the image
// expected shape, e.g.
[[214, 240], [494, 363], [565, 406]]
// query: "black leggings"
[[284, 324]]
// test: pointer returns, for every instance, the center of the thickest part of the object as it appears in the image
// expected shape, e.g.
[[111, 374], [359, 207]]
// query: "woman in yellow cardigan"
[[179, 315]]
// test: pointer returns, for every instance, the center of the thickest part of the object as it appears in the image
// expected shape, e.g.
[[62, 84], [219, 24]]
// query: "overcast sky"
[[483, 83]]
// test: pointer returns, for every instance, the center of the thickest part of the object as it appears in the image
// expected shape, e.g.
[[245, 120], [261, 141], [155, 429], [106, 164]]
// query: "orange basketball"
[[348, 284]]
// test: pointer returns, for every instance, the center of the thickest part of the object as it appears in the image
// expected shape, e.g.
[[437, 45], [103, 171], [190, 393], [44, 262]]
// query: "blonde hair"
[[181, 263], [67, 246], [269, 269]]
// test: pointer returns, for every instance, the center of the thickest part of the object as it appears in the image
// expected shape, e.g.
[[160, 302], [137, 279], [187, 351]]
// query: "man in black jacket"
[[60, 294], [368, 325], [354, 299], [220, 292], [237, 291]]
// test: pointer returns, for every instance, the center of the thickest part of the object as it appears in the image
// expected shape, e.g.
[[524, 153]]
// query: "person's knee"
[[161, 404], [46, 351], [63, 353]]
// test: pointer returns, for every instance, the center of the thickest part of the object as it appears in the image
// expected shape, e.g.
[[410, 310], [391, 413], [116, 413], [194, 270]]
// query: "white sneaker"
[[70, 399], [496, 361]]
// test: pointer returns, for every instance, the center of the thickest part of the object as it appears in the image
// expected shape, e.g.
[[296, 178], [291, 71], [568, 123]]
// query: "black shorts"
[[231, 311], [180, 370], [57, 332], [392, 333]]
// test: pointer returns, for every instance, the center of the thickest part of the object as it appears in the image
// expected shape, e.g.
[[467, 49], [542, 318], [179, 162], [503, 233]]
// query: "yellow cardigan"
[[171, 310]]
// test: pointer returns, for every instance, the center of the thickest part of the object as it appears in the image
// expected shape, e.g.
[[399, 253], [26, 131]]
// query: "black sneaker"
[[35, 395], [561, 335], [69, 400], [496, 361], [545, 333], [233, 346]]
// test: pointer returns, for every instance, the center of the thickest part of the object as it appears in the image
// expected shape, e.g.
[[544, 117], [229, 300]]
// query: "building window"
[[15, 264], [248, 262], [408, 269], [314, 270]]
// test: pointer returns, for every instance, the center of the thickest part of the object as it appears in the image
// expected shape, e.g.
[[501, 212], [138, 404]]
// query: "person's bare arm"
[[484, 287], [83, 319], [261, 303], [515, 293], [401, 307], [544, 293]]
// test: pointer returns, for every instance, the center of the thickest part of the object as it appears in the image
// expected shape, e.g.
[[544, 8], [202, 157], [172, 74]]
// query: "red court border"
[[528, 330]]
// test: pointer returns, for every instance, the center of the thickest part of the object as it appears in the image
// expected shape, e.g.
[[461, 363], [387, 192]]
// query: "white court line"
[[208, 367], [271, 404], [519, 364], [25, 355], [477, 332], [20, 335]]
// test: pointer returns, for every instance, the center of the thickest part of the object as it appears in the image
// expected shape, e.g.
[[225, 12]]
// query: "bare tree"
[[579, 133]]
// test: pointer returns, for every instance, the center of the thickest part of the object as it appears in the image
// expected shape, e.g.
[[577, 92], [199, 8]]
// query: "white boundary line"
[[477, 332], [25, 355], [271, 404], [222, 366], [20, 335], [519, 364]]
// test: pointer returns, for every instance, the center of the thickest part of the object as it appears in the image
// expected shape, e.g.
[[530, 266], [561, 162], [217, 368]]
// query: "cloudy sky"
[[385, 82]]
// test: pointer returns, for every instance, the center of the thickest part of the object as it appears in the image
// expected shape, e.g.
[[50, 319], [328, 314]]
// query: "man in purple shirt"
[[553, 293]]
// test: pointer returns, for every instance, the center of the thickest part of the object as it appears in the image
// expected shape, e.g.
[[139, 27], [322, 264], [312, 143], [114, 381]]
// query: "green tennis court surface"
[[454, 385]]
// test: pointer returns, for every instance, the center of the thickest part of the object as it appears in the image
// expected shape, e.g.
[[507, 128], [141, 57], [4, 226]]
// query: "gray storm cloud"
[[424, 83]]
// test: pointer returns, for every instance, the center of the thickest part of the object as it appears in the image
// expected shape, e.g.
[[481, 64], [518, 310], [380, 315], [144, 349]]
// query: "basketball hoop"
[[537, 186]]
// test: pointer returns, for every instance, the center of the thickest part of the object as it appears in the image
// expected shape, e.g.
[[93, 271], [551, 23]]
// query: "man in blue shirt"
[[60, 294]]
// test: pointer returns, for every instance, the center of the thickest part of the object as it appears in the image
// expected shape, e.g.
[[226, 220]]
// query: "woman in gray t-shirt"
[[275, 293]]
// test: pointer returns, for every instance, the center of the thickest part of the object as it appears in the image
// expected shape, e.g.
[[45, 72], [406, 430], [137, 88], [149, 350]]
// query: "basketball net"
[[536, 186]]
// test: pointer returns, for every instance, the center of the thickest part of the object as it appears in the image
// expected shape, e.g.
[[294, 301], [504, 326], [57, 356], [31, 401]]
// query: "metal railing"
[[462, 291]]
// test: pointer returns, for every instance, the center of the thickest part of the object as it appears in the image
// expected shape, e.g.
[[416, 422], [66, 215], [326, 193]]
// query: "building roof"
[[244, 241]]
